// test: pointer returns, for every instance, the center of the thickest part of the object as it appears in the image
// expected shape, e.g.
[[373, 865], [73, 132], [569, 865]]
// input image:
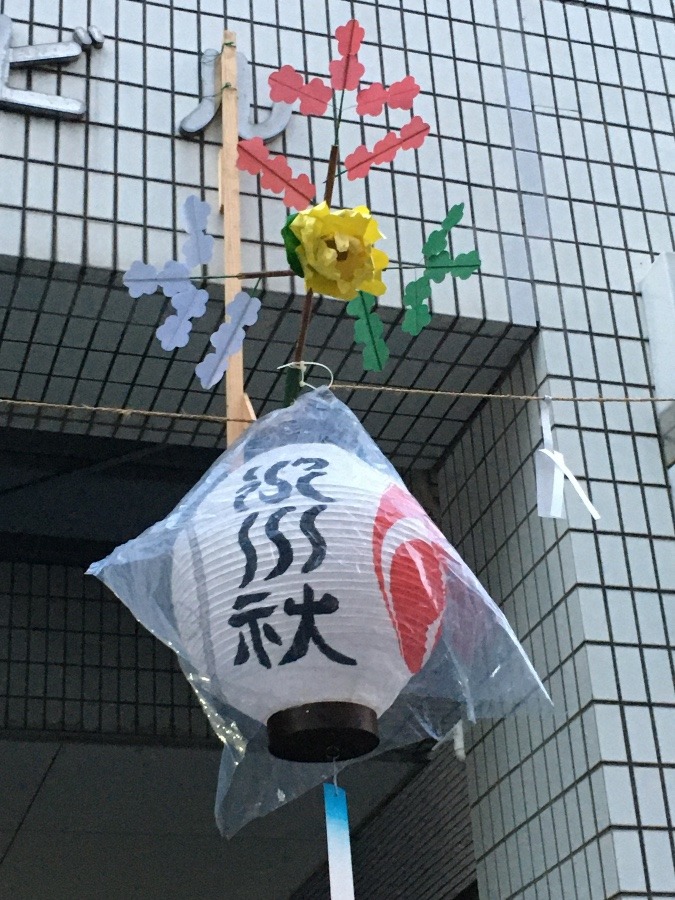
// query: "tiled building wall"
[[555, 121], [581, 802], [107, 190], [74, 662]]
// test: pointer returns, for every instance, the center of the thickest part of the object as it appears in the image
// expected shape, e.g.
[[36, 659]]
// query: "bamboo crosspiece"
[[238, 409]]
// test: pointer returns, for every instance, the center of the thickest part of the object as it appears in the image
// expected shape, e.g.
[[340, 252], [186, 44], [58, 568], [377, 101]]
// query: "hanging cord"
[[302, 366], [335, 385], [384, 388], [121, 411]]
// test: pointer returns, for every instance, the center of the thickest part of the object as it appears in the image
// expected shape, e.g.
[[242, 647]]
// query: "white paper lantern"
[[308, 577], [304, 588]]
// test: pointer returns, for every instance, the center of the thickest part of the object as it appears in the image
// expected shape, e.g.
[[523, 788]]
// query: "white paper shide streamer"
[[552, 470]]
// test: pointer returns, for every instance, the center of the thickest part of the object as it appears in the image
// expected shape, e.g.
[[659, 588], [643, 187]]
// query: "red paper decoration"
[[350, 37], [287, 85], [275, 173], [359, 163], [346, 73], [371, 100]]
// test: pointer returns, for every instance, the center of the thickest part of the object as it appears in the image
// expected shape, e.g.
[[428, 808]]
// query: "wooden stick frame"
[[238, 409]]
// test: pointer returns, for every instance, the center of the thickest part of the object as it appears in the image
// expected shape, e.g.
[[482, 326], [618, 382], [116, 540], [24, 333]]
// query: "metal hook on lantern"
[[303, 365]]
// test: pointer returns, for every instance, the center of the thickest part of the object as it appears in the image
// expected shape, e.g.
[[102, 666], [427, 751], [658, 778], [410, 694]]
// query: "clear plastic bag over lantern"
[[300, 570]]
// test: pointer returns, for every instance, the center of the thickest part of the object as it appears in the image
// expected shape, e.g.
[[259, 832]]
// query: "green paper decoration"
[[416, 318], [453, 217], [434, 243], [368, 330], [417, 292], [291, 243], [466, 264], [417, 314], [292, 386], [438, 264]]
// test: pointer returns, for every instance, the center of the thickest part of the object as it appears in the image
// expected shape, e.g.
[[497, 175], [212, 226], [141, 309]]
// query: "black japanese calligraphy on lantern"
[[307, 631], [281, 481], [250, 618], [273, 488]]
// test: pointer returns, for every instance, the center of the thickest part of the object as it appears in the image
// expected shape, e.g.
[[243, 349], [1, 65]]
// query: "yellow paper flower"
[[337, 251]]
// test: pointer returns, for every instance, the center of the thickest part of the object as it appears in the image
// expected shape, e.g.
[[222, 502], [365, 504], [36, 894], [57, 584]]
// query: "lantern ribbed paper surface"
[[300, 570], [316, 586]]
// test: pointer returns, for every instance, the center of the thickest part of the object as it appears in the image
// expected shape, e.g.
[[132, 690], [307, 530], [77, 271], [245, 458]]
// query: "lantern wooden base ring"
[[322, 732]]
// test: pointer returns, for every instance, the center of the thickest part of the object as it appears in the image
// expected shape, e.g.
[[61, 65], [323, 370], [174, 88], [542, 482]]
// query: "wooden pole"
[[237, 403]]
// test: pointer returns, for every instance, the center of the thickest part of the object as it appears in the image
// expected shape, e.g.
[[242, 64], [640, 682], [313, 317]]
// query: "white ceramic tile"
[[580, 866], [650, 617], [659, 677], [665, 729], [640, 734], [593, 614], [619, 795], [660, 862], [631, 678], [629, 863], [643, 574], [650, 796]]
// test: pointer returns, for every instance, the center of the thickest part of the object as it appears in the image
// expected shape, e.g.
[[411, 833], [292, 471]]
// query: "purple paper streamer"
[[140, 278], [198, 249], [175, 330], [228, 339]]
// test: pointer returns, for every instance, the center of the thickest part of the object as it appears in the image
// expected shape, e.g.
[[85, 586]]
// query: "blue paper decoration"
[[174, 279], [198, 249], [175, 330], [140, 279], [228, 339], [188, 301]]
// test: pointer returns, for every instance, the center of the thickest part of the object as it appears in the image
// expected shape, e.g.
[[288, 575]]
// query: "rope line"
[[346, 385], [120, 411], [338, 385]]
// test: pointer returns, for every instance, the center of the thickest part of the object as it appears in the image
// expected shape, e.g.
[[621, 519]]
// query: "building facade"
[[554, 122]]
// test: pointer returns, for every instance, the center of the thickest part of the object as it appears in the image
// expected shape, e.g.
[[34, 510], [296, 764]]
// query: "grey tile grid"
[[75, 663], [546, 793], [98, 377], [623, 688], [609, 368], [499, 588], [201, 152], [89, 343], [493, 142]]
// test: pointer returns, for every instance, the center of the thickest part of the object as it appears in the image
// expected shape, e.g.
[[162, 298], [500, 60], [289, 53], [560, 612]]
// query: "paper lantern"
[[306, 591], [309, 578]]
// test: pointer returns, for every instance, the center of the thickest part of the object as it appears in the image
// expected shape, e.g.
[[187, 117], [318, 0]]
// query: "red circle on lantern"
[[415, 591]]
